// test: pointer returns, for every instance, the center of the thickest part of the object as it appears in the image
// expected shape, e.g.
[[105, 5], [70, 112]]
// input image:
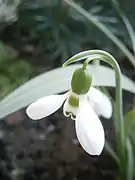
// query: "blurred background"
[[39, 35]]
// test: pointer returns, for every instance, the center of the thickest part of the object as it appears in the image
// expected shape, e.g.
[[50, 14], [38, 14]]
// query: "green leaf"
[[56, 81], [129, 121], [3, 53], [130, 161]]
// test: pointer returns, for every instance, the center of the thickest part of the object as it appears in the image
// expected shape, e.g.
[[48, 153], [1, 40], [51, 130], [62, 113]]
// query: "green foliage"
[[13, 72], [59, 31], [130, 122], [52, 27], [103, 28]]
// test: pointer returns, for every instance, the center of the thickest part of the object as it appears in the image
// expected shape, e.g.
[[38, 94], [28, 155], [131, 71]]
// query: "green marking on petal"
[[73, 116], [73, 101], [70, 114], [67, 113]]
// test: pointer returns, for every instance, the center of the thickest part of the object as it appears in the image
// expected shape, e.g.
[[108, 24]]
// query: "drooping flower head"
[[83, 104]]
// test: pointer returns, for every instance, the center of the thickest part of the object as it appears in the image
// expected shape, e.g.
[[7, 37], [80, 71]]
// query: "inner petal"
[[71, 106]]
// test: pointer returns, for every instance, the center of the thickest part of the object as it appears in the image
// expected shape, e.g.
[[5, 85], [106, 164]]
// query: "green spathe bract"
[[81, 81]]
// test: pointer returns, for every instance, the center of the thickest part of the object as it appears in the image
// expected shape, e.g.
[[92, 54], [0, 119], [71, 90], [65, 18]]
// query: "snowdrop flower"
[[83, 104]]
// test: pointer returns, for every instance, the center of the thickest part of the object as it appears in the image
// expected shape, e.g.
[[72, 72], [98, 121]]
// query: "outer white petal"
[[89, 129], [100, 103], [45, 106]]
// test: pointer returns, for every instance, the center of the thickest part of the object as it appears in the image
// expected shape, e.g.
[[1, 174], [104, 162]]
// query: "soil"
[[48, 150]]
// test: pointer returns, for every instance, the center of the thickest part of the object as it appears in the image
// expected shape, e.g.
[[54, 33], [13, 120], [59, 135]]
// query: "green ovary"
[[81, 81]]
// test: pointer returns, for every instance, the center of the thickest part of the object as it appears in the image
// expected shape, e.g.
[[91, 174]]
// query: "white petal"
[[89, 129], [45, 106], [100, 103]]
